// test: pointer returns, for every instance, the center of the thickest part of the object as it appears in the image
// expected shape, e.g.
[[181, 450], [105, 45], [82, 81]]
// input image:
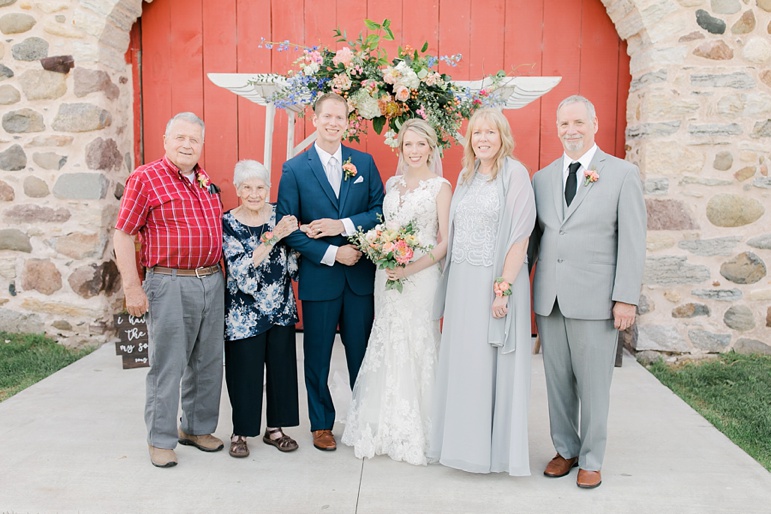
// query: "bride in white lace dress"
[[391, 403]]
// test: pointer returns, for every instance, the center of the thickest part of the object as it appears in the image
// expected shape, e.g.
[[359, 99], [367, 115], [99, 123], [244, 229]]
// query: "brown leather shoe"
[[205, 443], [161, 457], [560, 466], [588, 479], [324, 440]]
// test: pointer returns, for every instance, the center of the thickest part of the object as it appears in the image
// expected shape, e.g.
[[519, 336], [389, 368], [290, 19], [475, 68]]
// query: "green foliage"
[[732, 392], [28, 358], [381, 90]]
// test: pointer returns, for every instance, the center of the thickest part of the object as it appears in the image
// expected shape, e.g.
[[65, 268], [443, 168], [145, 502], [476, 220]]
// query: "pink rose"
[[343, 56], [402, 252], [402, 93]]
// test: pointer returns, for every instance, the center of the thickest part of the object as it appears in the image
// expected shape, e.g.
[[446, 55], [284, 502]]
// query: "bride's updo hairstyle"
[[425, 130], [495, 118]]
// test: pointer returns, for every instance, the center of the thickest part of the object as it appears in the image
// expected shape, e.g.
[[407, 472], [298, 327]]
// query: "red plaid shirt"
[[179, 222]]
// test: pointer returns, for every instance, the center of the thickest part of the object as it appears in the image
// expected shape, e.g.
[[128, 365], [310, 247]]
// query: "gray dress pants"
[[186, 329], [578, 358]]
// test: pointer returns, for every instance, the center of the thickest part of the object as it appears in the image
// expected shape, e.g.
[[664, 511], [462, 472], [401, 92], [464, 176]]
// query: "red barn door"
[[183, 40]]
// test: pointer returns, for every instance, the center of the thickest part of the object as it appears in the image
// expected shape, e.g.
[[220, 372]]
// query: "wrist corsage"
[[269, 238], [501, 287]]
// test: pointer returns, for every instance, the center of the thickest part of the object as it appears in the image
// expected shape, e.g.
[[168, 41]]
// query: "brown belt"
[[198, 272]]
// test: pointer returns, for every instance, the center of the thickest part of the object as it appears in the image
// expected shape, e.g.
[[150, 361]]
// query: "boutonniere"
[[591, 176], [349, 169], [202, 181]]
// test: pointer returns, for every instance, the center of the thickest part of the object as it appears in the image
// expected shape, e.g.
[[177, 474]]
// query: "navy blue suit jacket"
[[305, 192]]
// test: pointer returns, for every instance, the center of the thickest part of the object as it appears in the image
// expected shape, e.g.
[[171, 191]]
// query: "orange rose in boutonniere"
[[591, 176], [349, 169]]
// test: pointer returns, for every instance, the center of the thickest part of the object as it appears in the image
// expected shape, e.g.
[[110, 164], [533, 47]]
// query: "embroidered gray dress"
[[483, 374]]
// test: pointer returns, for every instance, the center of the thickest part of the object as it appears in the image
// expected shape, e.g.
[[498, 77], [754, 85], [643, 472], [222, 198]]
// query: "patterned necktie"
[[572, 182], [333, 175]]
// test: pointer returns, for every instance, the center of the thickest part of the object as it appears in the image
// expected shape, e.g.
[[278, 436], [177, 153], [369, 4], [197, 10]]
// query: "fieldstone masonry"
[[698, 125]]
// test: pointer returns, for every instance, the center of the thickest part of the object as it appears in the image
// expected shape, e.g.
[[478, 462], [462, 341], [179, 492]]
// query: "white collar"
[[324, 156], [585, 160]]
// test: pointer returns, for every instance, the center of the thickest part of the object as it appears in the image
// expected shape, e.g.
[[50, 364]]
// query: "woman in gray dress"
[[483, 375]]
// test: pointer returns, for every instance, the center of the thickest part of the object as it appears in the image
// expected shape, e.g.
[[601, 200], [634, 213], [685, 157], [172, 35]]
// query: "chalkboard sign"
[[132, 346]]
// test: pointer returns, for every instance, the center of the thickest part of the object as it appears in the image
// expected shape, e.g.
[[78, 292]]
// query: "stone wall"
[[699, 127], [65, 150]]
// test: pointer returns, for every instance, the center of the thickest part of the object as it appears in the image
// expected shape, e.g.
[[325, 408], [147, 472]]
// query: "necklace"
[[250, 227]]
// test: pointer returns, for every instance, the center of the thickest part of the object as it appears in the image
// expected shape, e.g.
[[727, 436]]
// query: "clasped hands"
[[323, 227], [347, 255]]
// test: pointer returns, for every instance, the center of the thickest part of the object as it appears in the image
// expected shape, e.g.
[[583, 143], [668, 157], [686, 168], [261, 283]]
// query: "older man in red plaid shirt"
[[177, 213]]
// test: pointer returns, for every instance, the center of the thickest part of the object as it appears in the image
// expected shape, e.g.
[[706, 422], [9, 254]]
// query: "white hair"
[[248, 169], [186, 116], [579, 99]]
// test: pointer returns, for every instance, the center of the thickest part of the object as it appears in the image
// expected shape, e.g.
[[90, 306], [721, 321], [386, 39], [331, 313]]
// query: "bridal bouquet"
[[389, 246], [383, 91]]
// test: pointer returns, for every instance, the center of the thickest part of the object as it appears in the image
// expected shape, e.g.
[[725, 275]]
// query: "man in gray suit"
[[589, 250]]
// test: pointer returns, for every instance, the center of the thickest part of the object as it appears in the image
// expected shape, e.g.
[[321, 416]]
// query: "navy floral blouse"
[[260, 297]]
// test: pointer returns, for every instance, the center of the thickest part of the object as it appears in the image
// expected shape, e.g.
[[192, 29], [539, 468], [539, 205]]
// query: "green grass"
[[733, 392], [28, 358]]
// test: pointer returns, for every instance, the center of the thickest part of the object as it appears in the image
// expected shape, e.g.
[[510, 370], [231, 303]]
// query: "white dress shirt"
[[585, 161], [349, 229]]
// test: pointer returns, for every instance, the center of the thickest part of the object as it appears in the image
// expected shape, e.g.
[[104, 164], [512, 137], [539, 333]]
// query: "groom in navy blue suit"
[[335, 283]]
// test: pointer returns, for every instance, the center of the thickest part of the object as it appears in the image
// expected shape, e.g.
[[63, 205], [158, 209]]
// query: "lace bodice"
[[476, 223], [418, 205]]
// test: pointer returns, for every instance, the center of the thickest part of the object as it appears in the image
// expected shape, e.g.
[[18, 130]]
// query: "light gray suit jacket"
[[591, 254]]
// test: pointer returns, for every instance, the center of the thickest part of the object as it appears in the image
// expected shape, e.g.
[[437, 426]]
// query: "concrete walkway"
[[75, 442]]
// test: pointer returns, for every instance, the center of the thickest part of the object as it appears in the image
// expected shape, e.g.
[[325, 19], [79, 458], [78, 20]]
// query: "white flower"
[[371, 236], [311, 68], [390, 139], [365, 105], [408, 77]]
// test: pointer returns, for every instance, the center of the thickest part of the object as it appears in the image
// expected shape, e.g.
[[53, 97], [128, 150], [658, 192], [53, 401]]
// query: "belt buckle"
[[196, 273]]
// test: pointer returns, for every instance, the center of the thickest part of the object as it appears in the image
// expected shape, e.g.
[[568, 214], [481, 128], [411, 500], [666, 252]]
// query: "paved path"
[[76, 442]]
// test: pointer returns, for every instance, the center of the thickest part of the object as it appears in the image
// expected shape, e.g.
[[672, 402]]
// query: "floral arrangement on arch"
[[382, 91]]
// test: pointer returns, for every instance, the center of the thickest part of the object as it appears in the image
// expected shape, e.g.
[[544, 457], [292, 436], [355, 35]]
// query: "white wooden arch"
[[512, 93]]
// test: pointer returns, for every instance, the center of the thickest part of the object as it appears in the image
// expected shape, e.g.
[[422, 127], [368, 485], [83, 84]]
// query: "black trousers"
[[245, 362]]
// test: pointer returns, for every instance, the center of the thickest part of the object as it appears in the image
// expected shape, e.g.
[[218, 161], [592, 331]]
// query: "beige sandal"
[[238, 447], [283, 443]]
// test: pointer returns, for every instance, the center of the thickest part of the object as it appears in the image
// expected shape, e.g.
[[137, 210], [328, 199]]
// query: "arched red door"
[[180, 41]]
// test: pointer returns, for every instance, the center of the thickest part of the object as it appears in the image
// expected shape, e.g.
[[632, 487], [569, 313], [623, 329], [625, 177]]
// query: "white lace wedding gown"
[[391, 403]]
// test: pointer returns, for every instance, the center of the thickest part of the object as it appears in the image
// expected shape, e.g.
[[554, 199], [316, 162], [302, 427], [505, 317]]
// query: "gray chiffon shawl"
[[517, 219]]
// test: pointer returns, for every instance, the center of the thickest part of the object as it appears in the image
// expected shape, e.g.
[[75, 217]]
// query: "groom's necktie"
[[572, 182], [334, 174]]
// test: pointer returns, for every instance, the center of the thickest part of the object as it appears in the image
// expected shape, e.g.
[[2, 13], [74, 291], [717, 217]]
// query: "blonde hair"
[[330, 96], [423, 129], [495, 118]]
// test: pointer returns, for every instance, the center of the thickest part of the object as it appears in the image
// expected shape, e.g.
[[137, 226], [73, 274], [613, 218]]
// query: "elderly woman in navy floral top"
[[260, 313]]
